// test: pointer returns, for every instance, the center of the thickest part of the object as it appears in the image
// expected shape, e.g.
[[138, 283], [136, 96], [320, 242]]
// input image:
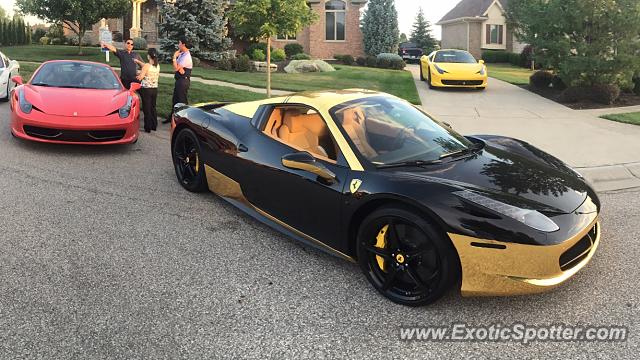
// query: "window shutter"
[[500, 34], [488, 34]]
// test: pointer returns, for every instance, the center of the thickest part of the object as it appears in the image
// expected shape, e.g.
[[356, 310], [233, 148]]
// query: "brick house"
[[477, 25], [336, 32]]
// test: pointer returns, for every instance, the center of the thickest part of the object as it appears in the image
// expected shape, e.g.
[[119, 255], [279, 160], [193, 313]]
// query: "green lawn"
[[509, 73], [197, 93], [628, 118], [399, 83]]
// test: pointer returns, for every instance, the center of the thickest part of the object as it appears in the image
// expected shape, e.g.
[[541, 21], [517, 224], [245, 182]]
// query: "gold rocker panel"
[[224, 186], [518, 269]]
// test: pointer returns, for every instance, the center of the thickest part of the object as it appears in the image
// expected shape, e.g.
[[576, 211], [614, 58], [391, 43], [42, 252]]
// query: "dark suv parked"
[[410, 52]]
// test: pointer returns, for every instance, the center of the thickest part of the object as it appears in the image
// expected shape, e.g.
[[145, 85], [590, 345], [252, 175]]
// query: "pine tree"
[[421, 33], [380, 27], [203, 22]]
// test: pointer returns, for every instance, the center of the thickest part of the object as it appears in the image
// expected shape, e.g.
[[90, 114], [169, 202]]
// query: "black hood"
[[516, 173]]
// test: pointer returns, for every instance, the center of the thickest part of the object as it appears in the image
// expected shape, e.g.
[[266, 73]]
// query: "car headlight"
[[126, 109], [25, 106], [439, 69], [531, 218], [482, 71]]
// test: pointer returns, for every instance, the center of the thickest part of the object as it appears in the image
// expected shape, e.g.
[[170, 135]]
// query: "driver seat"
[[303, 131], [353, 123]]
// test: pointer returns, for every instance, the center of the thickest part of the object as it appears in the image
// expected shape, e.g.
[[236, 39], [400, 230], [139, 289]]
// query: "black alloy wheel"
[[429, 80], [187, 161], [405, 258], [421, 72]]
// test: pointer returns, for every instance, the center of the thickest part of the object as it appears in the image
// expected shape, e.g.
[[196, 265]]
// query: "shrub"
[[38, 33], [526, 56], [278, 55], [557, 83], [258, 55], [56, 41], [390, 61], [345, 59], [196, 61], [371, 61], [603, 94], [541, 79], [225, 64], [636, 83], [86, 41], [301, 56], [44, 40], [361, 60], [293, 49], [515, 59], [253, 47], [495, 56], [243, 63], [140, 43]]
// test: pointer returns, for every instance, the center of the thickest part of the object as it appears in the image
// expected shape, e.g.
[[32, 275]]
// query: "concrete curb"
[[613, 177]]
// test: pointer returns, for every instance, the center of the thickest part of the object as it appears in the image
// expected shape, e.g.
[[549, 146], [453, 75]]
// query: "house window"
[[495, 34], [286, 37], [335, 19]]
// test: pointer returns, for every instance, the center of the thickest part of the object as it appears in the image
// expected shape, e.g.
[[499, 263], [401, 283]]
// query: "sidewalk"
[[607, 153]]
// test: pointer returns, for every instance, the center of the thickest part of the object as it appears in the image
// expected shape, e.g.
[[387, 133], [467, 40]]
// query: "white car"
[[8, 69]]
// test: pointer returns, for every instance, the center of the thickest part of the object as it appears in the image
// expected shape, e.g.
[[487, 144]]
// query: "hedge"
[[14, 32]]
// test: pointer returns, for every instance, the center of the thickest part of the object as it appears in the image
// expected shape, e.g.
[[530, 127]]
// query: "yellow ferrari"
[[453, 68]]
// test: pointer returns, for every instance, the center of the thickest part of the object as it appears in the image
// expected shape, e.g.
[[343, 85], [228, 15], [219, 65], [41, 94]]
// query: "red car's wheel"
[[187, 160], [405, 258]]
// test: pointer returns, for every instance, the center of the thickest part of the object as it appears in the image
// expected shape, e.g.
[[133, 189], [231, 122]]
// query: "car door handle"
[[243, 148]]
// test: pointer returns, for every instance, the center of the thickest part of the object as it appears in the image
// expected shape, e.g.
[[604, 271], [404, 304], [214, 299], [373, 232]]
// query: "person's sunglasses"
[[129, 43]]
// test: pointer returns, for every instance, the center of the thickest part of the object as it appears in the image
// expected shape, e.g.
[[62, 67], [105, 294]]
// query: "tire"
[[421, 73], [190, 172], [405, 257], [8, 94], [429, 80]]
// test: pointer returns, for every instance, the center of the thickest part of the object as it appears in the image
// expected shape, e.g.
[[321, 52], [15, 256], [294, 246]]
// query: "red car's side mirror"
[[134, 87], [17, 79]]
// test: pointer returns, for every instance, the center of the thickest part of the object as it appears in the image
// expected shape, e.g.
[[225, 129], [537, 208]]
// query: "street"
[[104, 255]]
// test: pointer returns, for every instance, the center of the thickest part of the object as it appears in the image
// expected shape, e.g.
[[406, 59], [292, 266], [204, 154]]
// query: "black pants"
[[180, 92], [127, 82], [149, 98]]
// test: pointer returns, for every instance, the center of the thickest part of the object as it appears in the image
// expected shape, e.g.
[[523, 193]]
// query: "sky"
[[407, 10]]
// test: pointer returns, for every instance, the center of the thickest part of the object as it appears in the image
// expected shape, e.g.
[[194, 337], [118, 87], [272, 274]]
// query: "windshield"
[[387, 130], [76, 75], [454, 56]]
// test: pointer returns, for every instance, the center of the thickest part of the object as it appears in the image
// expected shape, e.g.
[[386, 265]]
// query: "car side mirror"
[[17, 79], [481, 62], [306, 162], [134, 87]]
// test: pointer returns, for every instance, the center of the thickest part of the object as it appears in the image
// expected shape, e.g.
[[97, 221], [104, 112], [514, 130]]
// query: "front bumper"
[[108, 130], [458, 80], [493, 268]]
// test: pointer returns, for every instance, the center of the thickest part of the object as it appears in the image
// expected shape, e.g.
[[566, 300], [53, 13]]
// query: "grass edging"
[[632, 118]]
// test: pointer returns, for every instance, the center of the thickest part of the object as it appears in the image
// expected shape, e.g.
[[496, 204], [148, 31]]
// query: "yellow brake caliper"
[[381, 243]]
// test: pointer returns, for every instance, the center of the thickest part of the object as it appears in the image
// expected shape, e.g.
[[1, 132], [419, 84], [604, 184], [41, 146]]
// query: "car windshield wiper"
[[466, 151], [72, 87], [409, 163], [40, 84]]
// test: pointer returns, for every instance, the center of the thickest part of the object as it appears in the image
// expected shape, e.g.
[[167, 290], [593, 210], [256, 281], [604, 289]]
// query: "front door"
[[298, 198]]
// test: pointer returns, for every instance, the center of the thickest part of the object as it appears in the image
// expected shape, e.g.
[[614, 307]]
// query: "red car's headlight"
[[126, 109], [25, 106]]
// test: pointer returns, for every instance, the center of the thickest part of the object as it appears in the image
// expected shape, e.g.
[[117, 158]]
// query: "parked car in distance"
[[410, 52], [8, 69]]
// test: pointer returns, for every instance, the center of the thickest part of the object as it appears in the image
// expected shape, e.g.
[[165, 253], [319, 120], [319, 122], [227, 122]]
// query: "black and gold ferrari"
[[375, 180]]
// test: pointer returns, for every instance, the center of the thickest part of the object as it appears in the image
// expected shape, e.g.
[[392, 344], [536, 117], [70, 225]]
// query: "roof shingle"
[[470, 8]]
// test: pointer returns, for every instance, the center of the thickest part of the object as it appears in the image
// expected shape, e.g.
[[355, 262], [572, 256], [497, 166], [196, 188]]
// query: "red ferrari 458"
[[75, 102]]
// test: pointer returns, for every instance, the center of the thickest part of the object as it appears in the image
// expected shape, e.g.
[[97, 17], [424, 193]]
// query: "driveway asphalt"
[[607, 153], [104, 256]]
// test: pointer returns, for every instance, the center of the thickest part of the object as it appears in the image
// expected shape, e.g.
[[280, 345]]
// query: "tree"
[[3, 14], [421, 33], [587, 42], [403, 38], [78, 15], [202, 22], [263, 19], [380, 27]]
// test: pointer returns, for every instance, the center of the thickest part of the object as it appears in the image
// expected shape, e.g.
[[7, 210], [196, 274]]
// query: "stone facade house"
[[336, 32], [477, 25]]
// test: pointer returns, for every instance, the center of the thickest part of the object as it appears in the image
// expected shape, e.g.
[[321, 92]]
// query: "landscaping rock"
[[306, 66], [261, 66]]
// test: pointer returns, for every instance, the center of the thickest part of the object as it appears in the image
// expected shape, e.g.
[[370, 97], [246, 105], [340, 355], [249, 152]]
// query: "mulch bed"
[[625, 99]]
